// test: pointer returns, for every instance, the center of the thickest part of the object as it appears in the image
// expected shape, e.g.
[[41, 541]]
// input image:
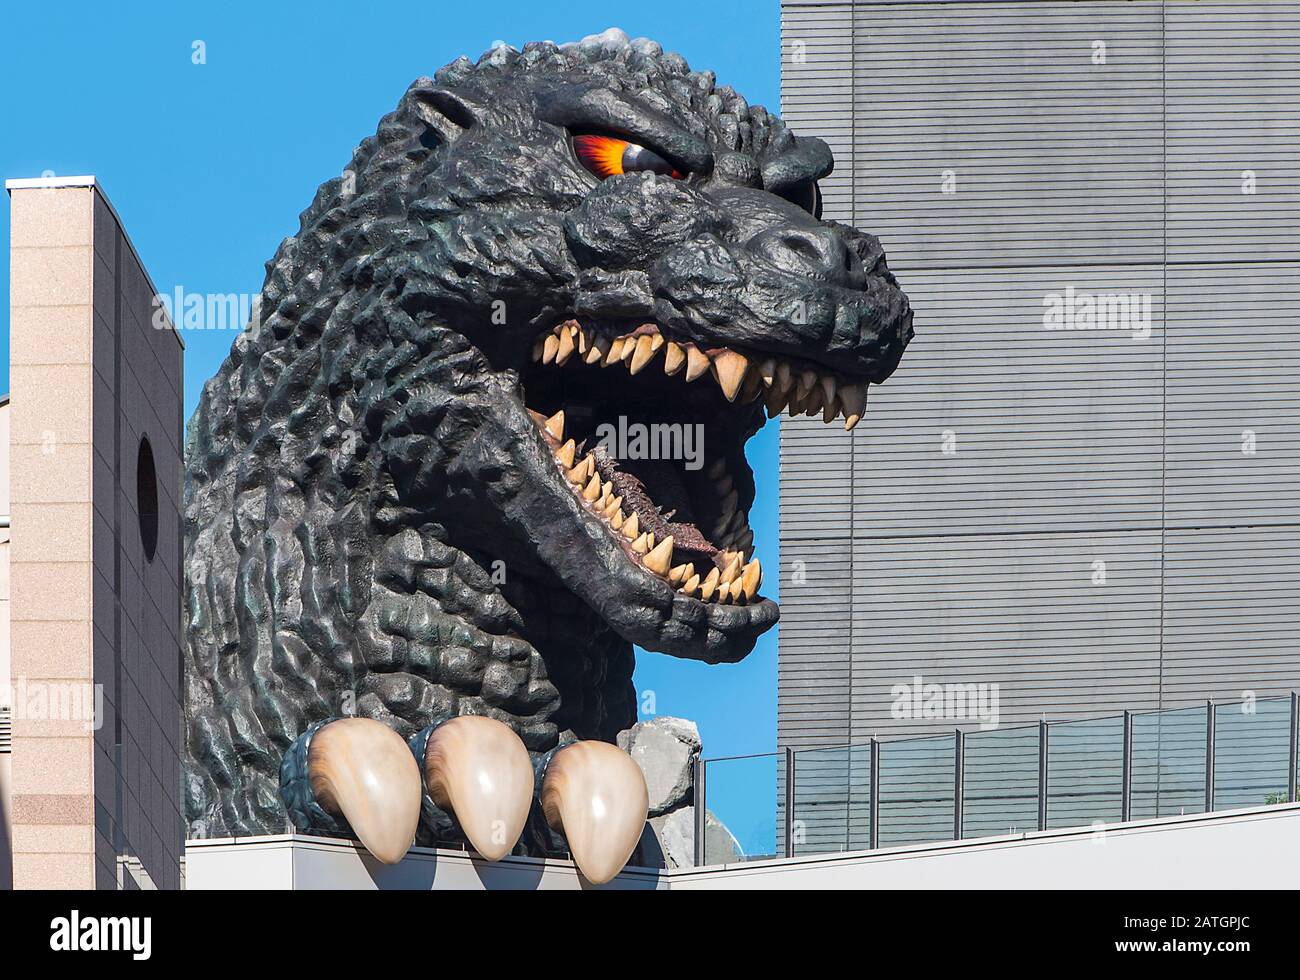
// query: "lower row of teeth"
[[730, 579]]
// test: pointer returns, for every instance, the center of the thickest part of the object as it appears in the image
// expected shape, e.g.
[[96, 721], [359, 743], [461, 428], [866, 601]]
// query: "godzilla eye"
[[608, 156]]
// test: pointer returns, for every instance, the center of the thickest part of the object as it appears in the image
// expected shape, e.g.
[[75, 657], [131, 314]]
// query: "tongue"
[[636, 480]]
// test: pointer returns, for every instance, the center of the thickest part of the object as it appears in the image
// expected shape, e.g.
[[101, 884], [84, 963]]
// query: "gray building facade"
[[1083, 483]]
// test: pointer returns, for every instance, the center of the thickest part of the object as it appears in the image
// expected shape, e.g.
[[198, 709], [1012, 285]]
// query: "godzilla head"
[[553, 245]]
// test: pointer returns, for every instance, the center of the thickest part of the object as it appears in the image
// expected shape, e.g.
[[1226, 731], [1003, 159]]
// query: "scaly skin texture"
[[374, 525]]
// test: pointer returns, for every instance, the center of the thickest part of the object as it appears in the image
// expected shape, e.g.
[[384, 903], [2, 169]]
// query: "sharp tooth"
[[690, 585], [598, 349], [724, 485], [566, 348], [807, 379], [645, 350], [632, 527], [593, 488], [751, 578], [752, 388], [724, 588], [729, 370], [615, 507], [767, 371], [582, 471], [615, 354], [813, 403], [555, 425], [550, 347], [629, 347], [775, 401], [830, 410], [564, 455], [477, 769], [731, 568], [616, 522], [783, 376], [745, 541], [828, 388], [656, 339], [363, 771], [642, 544], [660, 557], [796, 404], [697, 362], [710, 582], [595, 794], [680, 574], [674, 358], [853, 399], [579, 336], [539, 346]]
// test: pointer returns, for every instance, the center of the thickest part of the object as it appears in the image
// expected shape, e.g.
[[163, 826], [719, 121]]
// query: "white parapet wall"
[[1254, 848], [299, 862]]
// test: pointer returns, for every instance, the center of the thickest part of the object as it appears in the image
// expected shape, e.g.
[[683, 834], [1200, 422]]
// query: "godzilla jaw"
[[673, 523]]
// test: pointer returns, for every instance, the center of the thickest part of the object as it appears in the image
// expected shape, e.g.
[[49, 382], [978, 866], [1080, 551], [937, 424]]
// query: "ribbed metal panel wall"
[[960, 531]]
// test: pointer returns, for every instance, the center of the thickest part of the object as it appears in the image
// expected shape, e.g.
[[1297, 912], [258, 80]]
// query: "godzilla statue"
[[399, 506]]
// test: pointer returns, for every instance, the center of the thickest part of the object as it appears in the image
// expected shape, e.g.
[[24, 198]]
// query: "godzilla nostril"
[[817, 251], [805, 245]]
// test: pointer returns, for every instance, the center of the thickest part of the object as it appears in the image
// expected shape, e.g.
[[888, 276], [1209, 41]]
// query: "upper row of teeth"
[[781, 385], [730, 579]]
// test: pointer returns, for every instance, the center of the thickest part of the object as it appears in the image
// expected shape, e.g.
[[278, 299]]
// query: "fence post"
[[1042, 774], [874, 837], [958, 783], [1126, 791], [1295, 745], [701, 821], [789, 802], [1209, 756]]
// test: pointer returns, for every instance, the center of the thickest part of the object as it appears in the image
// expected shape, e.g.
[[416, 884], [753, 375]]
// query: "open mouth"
[[660, 459]]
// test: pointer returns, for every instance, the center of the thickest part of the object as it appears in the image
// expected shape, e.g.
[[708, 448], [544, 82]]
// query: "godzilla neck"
[[449, 633]]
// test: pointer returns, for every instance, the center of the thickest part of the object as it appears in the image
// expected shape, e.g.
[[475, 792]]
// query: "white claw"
[[477, 769], [362, 770], [595, 795]]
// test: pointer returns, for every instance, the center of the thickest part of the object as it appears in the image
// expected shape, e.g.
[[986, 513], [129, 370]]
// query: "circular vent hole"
[[146, 498]]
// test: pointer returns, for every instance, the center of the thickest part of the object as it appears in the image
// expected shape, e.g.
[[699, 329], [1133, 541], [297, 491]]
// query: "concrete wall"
[[1004, 152], [95, 621], [137, 379], [1257, 848], [6, 776]]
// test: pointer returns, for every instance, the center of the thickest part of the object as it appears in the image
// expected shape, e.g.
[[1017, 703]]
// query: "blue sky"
[[209, 165]]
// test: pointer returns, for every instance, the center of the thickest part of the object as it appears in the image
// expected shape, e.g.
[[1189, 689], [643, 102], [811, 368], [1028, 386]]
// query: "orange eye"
[[608, 156]]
